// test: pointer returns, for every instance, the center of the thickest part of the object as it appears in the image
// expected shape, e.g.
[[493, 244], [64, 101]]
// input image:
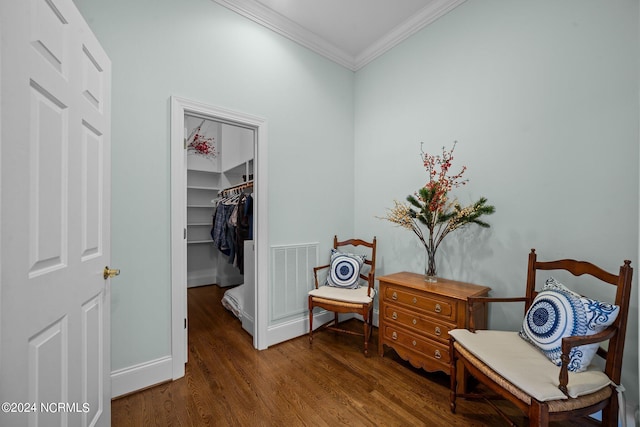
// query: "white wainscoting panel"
[[292, 279]]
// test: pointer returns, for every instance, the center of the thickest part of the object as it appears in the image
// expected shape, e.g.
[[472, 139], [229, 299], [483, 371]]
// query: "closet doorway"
[[219, 202], [216, 154]]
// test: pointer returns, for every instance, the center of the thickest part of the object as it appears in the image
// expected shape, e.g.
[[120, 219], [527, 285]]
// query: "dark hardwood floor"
[[229, 383]]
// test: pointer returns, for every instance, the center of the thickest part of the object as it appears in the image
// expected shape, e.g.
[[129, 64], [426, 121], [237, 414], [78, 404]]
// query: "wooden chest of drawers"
[[416, 317]]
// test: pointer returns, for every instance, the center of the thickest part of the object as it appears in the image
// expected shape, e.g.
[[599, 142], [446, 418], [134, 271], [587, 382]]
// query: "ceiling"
[[349, 32]]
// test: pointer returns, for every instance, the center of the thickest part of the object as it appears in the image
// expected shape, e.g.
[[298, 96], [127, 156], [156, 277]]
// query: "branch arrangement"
[[430, 207]]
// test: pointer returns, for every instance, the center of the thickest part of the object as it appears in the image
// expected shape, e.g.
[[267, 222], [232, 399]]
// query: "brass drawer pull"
[[414, 343], [438, 308], [394, 316], [415, 300], [394, 335], [394, 296], [438, 355], [438, 331], [415, 321]]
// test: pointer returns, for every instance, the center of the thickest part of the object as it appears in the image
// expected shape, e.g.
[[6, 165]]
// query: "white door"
[[54, 216]]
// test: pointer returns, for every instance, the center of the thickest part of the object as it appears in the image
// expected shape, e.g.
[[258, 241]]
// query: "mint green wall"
[[543, 99], [199, 50], [541, 95]]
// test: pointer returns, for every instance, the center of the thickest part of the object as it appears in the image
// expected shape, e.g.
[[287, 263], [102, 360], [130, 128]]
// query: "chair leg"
[[538, 414], [367, 332], [310, 322], [610, 412]]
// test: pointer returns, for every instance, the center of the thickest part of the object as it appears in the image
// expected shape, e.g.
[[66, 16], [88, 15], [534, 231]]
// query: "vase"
[[430, 266]]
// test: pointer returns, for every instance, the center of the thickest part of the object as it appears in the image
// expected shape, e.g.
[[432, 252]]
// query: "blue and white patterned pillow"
[[558, 312], [345, 270]]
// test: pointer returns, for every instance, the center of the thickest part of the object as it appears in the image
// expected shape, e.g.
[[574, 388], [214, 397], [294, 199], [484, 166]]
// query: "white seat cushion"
[[526, 367], [341, 294]]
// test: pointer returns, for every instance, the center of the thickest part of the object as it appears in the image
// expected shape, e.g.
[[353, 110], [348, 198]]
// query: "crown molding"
[[274, 21], [424, 17], [284, 26]]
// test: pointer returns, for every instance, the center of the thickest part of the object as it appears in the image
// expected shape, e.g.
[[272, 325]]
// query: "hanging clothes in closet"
[[232, 225]]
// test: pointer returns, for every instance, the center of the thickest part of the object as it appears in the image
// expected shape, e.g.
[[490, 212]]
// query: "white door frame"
[[180, 107]]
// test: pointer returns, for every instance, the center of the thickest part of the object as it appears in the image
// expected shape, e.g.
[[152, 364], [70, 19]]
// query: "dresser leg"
[[453, 377]]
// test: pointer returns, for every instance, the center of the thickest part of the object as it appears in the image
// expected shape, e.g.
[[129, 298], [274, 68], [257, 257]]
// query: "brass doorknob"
[[110, 272]]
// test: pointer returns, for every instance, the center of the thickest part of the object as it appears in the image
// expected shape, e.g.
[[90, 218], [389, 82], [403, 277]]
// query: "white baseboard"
[[300, 326], [143, 375], [295, 328], [200, 280], [248, 324]]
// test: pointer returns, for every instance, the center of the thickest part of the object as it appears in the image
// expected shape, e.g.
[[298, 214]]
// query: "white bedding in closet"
[[233, 300]]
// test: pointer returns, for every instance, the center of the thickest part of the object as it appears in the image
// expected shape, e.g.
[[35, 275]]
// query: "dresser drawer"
[[431, 328], [416, 317], [432, 350], [427, 303]]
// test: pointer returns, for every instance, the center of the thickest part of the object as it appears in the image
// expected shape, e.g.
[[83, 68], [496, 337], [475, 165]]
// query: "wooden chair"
[[344, 300], [514, 369]]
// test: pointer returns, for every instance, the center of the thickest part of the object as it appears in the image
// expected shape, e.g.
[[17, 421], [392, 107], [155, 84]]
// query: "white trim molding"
[[143, 375], [180, 106], [424, 17], [274, 21], [297, 327]]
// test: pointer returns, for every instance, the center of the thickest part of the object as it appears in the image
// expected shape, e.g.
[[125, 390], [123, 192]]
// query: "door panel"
[[92, 192], [93, 83], [49, 33], [93, 363], [48, 182], [48, 370]]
